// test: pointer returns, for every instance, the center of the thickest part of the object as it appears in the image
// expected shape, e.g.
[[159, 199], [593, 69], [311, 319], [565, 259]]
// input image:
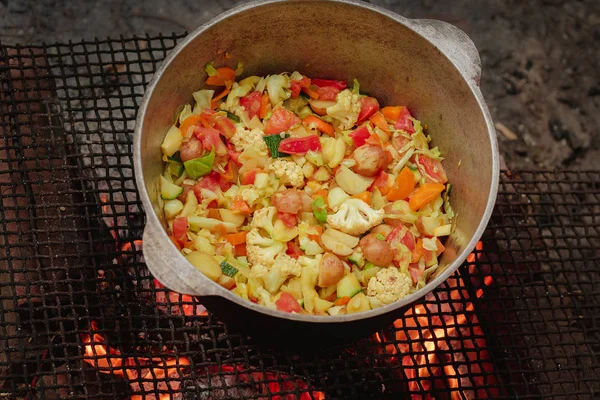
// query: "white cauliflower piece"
[[288, 172], [274, 276], [262, 250], [346, 109], [355, 217], [388, 286], [264, 298], [264, 218], [243, 138]]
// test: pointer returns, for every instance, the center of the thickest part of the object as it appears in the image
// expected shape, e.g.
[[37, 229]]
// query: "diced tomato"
[[280, 121], [248, 177], [251, 103], [288, 219], [340, 85], [360, 136], [210, 138], [369, 106], [207, 183], [234, 155], [287, 303], [224, 125], [431, 169], [401, 235], [180, 227], [382, 183], [416, 273], [328, 93], [300, 145], [241, 207], [297, 85], [404, 122], [293, 250]]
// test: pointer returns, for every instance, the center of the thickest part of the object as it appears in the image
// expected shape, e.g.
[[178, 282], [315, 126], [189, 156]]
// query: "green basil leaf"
[[200, 166]]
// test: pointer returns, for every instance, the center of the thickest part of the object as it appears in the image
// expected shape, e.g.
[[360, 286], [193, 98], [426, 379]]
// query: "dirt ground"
[[541, 58]]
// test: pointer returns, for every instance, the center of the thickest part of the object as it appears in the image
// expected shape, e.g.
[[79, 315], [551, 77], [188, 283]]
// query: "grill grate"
[[82, 318]]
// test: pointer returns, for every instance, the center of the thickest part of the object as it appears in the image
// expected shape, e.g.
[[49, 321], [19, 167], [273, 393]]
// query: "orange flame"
[[429, 345]]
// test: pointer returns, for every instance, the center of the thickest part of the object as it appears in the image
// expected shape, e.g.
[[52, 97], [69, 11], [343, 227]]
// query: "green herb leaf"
[[272, 142], [380, 236], [356, 87], [200, 166], [210, 69], [228, 269], [175, 157], [368, 265], [232, 117]]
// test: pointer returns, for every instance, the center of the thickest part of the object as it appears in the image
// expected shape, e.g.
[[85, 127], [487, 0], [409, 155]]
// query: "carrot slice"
[[214, 213], [392, 113], [236, 238], [187, 123], [342, 301], [425, 195], [215, 102], [403, 187], [265, 104], [379, 121], [321, 125], [224, 75]]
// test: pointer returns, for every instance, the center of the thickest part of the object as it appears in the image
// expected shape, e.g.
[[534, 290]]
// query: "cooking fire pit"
[[81, 317]]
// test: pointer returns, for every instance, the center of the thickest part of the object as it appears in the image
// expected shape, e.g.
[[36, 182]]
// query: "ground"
[[541, 74]]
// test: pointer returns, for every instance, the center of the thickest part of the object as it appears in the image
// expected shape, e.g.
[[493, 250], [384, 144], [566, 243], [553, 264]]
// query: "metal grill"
[[82, 318]]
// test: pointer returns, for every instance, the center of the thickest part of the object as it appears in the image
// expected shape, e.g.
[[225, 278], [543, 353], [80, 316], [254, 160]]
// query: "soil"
[[541, 74]]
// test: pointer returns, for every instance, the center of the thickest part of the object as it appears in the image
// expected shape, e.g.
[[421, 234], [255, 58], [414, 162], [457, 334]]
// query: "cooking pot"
[[430, 66]]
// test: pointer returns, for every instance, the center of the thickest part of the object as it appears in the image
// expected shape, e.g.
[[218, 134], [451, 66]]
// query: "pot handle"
[[170, 267], [454, 43]]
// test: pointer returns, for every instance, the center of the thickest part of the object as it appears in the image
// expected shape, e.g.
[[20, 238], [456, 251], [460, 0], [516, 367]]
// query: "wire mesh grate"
[[82, 318]]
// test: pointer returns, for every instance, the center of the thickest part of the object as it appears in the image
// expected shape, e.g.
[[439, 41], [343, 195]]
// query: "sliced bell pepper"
[[320, 124], [328, 93], [215, 101], [265, 105], [360, 136], [312, 91], [293, 250], [391, 113], [425, 195], [297, 85], [381, 183], [300, 145], [364, 196], [379, 121], [340, 85], [248, 177], [403, 187], [342, 301], [189, 122]]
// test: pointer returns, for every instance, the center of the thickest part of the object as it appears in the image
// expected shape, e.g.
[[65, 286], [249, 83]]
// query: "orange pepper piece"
[[236, 238], [425, 195], [187, 123], [379, 121], [312, 91], [342, 301], [440, 247], [321, 125], [417, 252], [240, 250], [364, 196], [223, 76], [265, 104], [392, 113], [403, 187], [317, 236], [214, 213]]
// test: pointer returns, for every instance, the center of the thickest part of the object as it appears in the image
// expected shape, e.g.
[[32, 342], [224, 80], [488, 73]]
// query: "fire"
[[162, 379], [440, 345]]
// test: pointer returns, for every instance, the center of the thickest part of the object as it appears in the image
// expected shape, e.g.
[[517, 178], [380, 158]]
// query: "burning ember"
[[160, 379], [440, 345]]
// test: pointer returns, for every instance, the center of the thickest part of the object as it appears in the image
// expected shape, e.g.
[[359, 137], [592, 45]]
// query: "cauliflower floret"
[[243, 138], [288, 172], [388, 286], [355, 217], [264, 298], [264, 218], [262, 250], [346, 109], [274, 276]]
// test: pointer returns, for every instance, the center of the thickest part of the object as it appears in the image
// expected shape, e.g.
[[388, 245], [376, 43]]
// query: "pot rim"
[[152, 220]]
